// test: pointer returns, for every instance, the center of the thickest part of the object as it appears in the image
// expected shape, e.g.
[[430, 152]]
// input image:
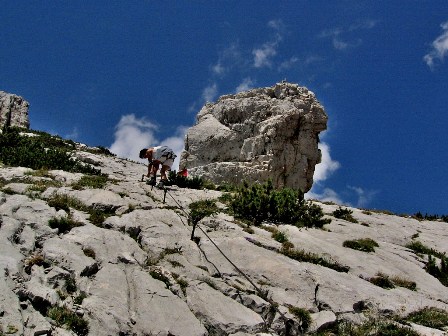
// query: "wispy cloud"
[[209, 93], [288, 64], [342, 38], [245, 85], [132, 134], [364, 196], [262, 56], [439, 47], [228, 58]]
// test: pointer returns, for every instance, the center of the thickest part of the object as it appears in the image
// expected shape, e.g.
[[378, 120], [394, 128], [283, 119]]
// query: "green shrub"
[[301, 255], [303, 316], [89, 252], [280, 236], [261, 202], [39, 152], [344, 214], [91, 181], [430, 317], [70, 285], [63, 224], [65, 317], [79, 299], [419, 247], [365, 244], [439, 272], [65, 202], [202, 209], [402, 282], [188, 182], [382, 280]]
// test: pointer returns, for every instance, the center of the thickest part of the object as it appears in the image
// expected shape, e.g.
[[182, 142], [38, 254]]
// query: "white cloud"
[[263, 55], [245, 85], [132, 134], [439, 47], [327, 195], [327, 166], [210, 92]]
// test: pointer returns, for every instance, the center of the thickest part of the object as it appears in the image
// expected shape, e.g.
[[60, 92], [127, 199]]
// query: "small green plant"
[[303, 316], [202, 209], [11, 329], [249, 230], [301, 255], [430, 317], [344, 214], [91, 181], [89, 252], [63, 317], [382, 280], [36, 259], [65, 202], [42, 185], [175, 263], [79, 299], [70, 285], [156, 274], [98, 216], [365, 244], [63, 224], [187, 182], [182, 283], [170, 250], [280, 236], [405, 283]]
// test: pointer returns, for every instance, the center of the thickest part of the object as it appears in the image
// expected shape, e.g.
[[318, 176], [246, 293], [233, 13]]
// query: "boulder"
[[261, 134], [13, 111]]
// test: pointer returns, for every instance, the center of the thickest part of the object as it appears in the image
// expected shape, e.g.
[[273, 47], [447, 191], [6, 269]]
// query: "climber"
[[159, 155]]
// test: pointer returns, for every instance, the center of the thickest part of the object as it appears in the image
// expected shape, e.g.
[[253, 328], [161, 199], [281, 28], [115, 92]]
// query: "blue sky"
[[125, 74]]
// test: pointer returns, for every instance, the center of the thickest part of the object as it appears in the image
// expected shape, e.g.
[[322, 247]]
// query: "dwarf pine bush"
[[261, 202], [41, 151]]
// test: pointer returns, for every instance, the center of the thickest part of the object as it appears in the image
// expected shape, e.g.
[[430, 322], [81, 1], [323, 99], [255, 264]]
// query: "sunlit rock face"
[[13, 110], [265, 133]]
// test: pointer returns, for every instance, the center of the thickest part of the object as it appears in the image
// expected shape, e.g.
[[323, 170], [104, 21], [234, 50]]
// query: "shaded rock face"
[[261, 134], [13, 110]]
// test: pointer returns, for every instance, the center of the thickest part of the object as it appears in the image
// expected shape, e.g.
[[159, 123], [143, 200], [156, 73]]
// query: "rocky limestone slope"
[[13, 110], [265, 133], [138, 273]]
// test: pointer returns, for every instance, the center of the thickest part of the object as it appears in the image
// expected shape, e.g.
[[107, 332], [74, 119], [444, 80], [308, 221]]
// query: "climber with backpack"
[[158, 156]]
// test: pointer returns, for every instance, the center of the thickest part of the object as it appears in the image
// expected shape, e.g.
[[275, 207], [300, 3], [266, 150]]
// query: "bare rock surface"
[[13, 111], [139, 273], [261, 134]]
